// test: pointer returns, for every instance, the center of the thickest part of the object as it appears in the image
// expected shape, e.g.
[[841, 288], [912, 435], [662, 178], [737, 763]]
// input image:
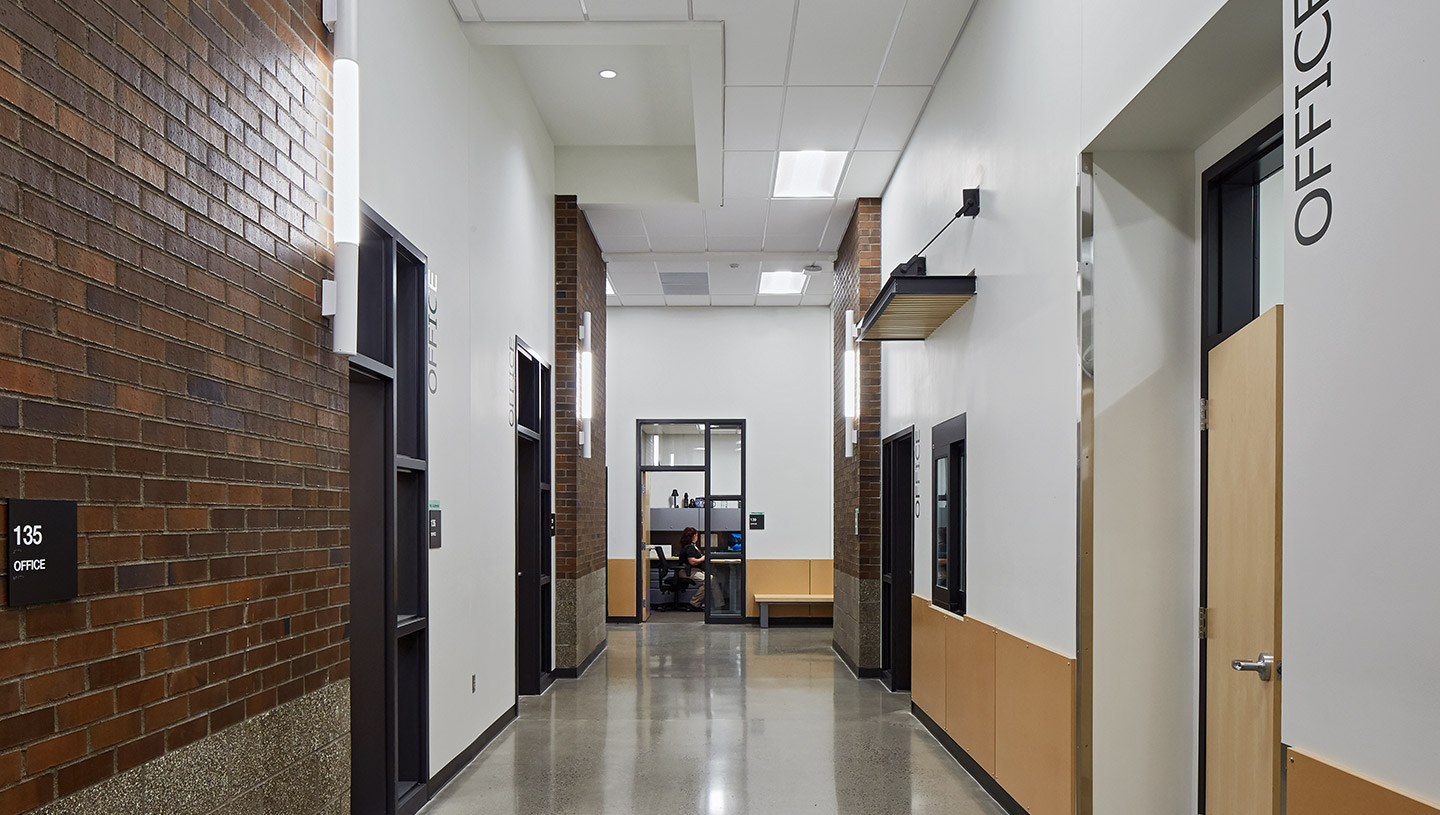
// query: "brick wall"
[[580, 511], [580, 497], [857, 478], [164, 224]]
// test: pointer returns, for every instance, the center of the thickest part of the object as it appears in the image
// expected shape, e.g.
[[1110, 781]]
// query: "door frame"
[[534, 603], [1253, 161], [895, 626], [642, 575]]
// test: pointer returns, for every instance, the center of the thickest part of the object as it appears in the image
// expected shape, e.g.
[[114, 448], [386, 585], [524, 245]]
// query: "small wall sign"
[[40, 551], [757, 520], [434, 524]]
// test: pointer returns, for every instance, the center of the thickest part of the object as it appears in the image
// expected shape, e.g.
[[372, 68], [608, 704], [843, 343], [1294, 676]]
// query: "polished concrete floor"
[[686, 718]]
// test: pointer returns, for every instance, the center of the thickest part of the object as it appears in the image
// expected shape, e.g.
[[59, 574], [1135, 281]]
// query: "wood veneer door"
[[1242, 712]]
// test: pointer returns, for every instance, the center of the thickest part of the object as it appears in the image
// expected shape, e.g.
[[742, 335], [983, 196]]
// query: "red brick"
[[56, 751], [84, 647], [86, 709], [90, 771], [26, 658], [113, 731], [29, 795], [139, 635]]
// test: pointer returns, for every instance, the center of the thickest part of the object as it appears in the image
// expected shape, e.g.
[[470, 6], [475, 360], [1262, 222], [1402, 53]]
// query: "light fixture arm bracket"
[[969, 208]]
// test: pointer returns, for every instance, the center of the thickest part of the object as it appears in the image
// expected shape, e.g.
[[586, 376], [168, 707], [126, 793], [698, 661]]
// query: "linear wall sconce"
[[585, 384], [340, 297], [851, 390]]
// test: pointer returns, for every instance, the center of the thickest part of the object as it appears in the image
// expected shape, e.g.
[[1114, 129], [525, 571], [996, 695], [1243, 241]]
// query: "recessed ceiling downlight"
[[608, 74]]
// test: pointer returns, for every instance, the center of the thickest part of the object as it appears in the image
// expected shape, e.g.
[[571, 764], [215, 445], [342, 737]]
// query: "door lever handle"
[[1264, 665]]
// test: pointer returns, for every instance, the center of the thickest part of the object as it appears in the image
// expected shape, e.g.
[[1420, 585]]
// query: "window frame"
[[947, 442]]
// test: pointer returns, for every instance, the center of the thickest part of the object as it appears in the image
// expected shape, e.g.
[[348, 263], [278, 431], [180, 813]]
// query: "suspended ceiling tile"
[[792, 243], [777, 299], [506, 11], [733, 282], [643, 300], [753, 242], [732, 299], [466, 10], [757, 38], [798, 216], [752, 118], [612, 300], [678, 243], [630, 267], [683, 219], [623, 244], [823, 299], [892, 117], [628, 284], [614, 221], [748, 174], [638, 9], [823, 118], [927, 32], [687, 299], [844, 46], [691, 267], [780, 266], [868, 174], [738, 217]]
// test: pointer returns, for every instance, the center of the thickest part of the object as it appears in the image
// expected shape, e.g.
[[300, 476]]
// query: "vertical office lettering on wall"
[[40, 551], [1313, 29], [432, 330]]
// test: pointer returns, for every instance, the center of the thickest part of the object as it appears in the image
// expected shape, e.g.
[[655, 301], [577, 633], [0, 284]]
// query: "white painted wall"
[[1361, 609], [1004, 117], [456, 157], [769, 366]]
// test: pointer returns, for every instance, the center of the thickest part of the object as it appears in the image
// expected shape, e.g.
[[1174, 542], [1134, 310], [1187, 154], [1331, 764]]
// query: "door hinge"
[[1204, 414], [1204, 623]]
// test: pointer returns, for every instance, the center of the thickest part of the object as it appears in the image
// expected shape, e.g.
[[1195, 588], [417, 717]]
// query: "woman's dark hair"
[[688, 535]]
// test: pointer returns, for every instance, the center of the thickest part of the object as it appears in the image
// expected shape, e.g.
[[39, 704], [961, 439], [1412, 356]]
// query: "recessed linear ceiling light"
[[809, 173], [782, 282], [608, 74]]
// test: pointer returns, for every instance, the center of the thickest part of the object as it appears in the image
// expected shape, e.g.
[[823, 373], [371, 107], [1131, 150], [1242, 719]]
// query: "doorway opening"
[[389, 536], [690, 475], [534, 525], [900, 469], [1241, 381]]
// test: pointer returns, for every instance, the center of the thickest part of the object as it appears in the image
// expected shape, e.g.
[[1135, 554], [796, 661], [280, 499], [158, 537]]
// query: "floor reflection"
[[723, 720]]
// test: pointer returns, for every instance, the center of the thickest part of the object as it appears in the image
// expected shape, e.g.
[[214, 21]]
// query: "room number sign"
[[40, 552]]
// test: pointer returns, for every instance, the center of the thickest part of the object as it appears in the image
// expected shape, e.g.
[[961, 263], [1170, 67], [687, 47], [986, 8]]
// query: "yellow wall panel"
[[1313, 787], [970, 687], [776, 577], [822, 581], [927, 658], [621, 583], [1035, 725]]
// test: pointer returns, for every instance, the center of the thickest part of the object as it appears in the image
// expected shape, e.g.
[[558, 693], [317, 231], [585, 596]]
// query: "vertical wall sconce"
[[341, 297], [585, 384], [851, 395]]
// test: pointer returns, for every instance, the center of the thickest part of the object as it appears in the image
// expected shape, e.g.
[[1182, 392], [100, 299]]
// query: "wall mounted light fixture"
[[341, 296], [851, 391], [585, 384]]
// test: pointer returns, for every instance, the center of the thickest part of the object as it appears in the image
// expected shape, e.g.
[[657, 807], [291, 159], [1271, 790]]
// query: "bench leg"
[[764, 615]]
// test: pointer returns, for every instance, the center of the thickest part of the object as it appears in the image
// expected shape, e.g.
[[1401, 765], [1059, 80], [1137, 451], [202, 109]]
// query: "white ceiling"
[[847, 75]]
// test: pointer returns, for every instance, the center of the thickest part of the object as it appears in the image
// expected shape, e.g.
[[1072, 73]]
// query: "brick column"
[[857, 478], [580, 507]]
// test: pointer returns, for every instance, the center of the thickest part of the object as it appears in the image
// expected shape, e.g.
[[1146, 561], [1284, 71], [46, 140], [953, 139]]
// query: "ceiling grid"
[[850, 76]]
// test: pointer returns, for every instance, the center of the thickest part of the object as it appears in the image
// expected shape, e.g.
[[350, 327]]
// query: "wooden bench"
[[766, 600]]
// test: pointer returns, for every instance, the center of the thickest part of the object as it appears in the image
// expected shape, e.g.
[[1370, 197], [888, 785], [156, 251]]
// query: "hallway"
[[687, 718]]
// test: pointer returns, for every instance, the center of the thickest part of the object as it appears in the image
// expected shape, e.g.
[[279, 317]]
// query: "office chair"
[[671, 580]]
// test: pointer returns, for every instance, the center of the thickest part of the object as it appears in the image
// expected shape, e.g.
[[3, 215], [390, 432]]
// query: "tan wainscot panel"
[[776, 577], [822, 581], [1313, 787], [621, 581], [970, 687], [927, 658], [1035, 725]]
